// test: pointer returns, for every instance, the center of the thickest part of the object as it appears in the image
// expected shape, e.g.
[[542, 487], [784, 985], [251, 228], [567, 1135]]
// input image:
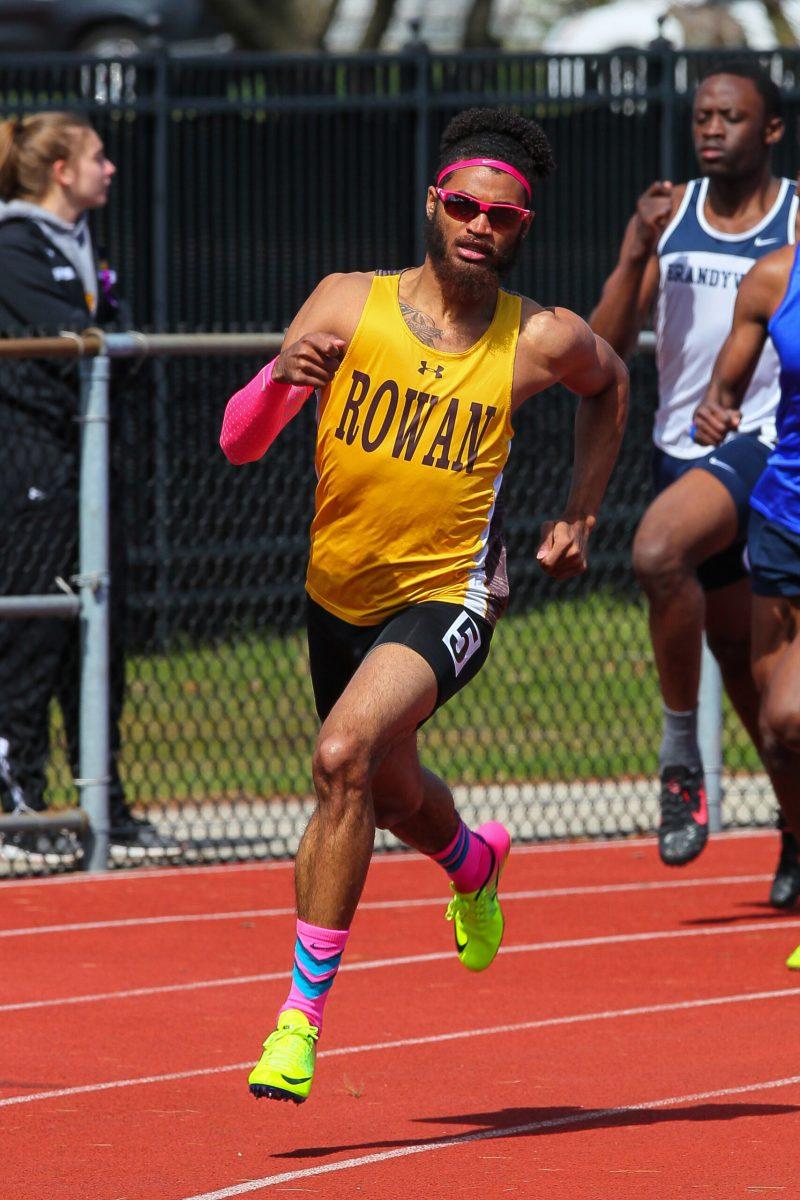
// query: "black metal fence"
[[242, 181]]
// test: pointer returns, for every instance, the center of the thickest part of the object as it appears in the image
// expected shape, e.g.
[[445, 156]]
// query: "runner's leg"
[[728, 629], [776, 669], [689, 522], [391, 693]]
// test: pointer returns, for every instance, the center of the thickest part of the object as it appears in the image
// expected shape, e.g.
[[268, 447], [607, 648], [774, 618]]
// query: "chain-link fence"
[[558, 734]]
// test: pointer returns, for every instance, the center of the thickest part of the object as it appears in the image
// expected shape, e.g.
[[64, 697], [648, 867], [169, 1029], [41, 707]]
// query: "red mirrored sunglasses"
[[464, 208]]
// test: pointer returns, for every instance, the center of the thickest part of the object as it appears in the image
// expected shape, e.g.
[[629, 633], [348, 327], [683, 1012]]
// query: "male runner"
[[420, 374], [769, 305], [687, 247]]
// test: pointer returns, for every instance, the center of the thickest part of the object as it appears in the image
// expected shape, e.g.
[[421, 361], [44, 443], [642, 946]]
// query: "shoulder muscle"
[[334, 306], [554, 344]]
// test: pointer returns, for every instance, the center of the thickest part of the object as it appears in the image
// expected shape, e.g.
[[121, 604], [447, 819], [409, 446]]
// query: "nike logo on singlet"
[[765, 241]]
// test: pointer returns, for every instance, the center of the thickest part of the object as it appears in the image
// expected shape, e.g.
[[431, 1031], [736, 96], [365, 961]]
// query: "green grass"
[[568, 693]]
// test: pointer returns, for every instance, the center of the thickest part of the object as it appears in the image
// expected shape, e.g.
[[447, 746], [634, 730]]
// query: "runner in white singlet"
[[686, 250]]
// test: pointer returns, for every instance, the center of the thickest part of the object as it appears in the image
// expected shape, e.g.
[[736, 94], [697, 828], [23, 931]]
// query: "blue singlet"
[[777, 493]]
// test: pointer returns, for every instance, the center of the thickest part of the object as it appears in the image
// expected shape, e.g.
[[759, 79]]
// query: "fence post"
[[93, 580], [160, 261], [419, 50], [709, 733], [666, 61]]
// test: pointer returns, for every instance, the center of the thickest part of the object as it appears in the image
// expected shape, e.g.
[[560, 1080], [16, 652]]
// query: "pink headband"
[[486, 162]]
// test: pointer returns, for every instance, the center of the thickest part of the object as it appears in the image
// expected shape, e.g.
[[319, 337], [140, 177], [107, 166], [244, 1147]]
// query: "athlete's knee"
[[659, 560], [340, 767]]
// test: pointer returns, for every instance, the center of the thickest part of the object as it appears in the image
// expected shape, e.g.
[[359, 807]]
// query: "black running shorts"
[[453, 641]]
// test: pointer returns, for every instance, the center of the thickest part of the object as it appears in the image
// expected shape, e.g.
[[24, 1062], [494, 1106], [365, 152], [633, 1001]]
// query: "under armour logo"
[[437, 371]]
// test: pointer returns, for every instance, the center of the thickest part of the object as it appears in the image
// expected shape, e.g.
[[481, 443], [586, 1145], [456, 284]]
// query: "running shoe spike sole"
[[263, 1091]]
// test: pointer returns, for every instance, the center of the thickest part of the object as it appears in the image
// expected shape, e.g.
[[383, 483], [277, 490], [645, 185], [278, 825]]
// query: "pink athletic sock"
[[467, 860], [317, 954]]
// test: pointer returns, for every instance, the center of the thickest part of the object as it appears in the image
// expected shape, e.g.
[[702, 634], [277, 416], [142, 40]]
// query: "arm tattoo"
[[421, 325]]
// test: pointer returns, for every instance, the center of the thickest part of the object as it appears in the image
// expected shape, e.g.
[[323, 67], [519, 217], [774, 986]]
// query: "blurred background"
[[562, 26]]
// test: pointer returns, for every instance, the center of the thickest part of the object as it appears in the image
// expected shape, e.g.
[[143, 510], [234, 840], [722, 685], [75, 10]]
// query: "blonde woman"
[[53, 171]]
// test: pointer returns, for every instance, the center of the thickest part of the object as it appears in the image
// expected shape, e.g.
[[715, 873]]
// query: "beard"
[[474, 280]]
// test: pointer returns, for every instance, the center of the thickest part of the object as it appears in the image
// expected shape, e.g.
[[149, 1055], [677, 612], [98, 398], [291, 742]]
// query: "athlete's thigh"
[[774, 629], [335, 651], [391, 693], [452, 640], [697, 513], [419, 659]]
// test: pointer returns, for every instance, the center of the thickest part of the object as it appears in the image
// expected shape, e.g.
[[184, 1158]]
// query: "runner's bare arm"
[[319, 335], [759, 295], [556, 346], [312, 351], [630, 289]]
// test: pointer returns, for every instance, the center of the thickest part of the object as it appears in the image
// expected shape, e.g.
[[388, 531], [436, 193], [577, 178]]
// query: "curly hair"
[[497, 133], [745, 68]]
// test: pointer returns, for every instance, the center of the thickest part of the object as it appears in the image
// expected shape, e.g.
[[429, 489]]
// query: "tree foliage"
[[278, 25], [297, 25]]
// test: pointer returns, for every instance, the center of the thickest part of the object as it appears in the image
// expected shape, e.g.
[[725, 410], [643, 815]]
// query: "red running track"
[[633, 1041]]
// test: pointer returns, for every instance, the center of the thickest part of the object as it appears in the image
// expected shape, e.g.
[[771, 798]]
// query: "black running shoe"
[[56, 849], [786, 884], [684, 815], [135, 839]]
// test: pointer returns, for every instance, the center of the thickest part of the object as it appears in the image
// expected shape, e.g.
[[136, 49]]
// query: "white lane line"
[[643, 1010], [487, 1135], [142, 874], [604, 889], [375, 964]]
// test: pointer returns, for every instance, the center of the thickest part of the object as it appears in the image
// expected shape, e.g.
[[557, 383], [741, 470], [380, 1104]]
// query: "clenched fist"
[[564, 547], [311, 361]]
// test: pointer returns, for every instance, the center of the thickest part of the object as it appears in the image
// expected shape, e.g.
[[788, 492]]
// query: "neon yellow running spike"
[[477, 916], [285, 1070], [793, 961]]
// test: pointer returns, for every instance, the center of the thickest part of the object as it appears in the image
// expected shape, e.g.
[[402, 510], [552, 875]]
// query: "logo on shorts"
[[438, 371], [717, 462], [462, 639]]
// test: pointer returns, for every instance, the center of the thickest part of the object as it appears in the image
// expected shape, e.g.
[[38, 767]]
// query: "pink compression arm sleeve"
[[255, 415]]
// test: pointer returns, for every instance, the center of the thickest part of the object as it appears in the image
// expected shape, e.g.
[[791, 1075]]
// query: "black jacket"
[[40, 293]]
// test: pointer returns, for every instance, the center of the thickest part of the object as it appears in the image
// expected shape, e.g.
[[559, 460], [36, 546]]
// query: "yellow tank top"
[[411, 447]]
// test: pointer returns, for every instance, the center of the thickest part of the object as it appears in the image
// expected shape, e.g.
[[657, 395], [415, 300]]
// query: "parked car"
[[105, 27]]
